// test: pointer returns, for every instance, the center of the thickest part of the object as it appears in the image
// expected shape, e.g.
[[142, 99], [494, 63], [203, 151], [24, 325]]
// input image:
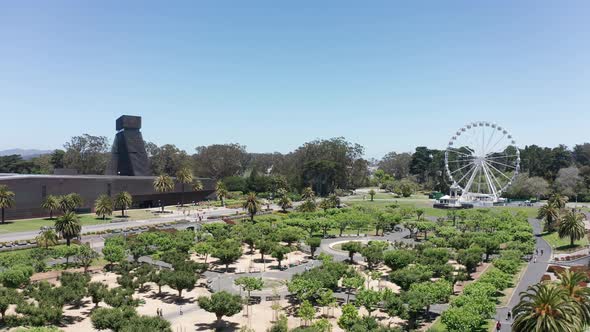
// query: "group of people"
[[534, 258]]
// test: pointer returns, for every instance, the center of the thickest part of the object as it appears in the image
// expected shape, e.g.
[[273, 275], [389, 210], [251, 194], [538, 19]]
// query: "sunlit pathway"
[[532, 275]]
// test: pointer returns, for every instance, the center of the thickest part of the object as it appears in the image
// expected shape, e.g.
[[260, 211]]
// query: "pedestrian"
[[536, 251], [535, 259], [541, 252], [509, 315], [158, 311], [498, 326], [181, 311]]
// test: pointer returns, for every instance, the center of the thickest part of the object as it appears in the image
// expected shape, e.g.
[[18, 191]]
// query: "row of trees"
[[543, 170]]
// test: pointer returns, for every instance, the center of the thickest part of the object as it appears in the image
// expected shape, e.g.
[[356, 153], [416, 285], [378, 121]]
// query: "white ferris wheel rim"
[[482, 158]]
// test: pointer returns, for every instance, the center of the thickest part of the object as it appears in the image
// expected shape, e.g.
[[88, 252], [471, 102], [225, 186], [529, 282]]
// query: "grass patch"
[[563, 245], [23, 225]]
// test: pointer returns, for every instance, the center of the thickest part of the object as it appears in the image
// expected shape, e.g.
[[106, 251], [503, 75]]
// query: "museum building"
[[128, 170]]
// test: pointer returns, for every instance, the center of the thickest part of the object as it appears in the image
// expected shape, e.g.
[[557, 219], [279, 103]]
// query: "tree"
[[352, 247], [313, 243], [50, 203], [179, 280], [550, 213], [470, 257], [113, 253], [396, 164], [198, 185], [572, 226], [6, 199], [330, 202], [351, 283], [111, 318], [85, 256], [146, 323], [221, 192], [68, 226], [372, 193], [574, 283], [307, 193], [398, 259], [221, 304], [279, 253], [97, 292], [546, 307], [162, 184], [568, 181], [285, 203], [70, 202], [88, 154], [16, 276], [219, 161], [252, 205], [410, 274], [373, 253], [8, 296], [103, 206], [306, 312], [227, 252], [184, 176], [350, 316], [123, 201], [369, 299], [204, 248], [47, 237], [249, 284]]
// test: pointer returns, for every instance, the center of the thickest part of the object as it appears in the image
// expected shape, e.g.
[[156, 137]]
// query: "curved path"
[[221, 281]]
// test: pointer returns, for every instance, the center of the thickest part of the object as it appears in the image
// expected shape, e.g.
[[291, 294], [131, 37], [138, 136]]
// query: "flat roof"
[[11, 176]]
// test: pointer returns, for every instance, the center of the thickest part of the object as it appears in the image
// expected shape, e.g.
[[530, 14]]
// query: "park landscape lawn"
[[563, 245], [23, 225]]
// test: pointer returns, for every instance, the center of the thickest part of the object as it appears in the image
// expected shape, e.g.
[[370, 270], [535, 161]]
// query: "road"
[[125, 224]]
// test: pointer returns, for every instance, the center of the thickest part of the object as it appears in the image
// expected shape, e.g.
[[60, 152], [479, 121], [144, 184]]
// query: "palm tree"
[[221, 192], [70, 202], [546, 307], [68, 226], [184, 176], [198, 185], [103, 206], [558, 200], [574, 283], [550, 213], [50, 203], [252, 205], [285, 203], [6, 199], [47, 238], [307, 193], [123, 201], [162, 184], [572, 226]]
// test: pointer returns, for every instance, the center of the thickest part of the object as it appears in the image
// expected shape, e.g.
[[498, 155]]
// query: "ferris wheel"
[[482, 160]]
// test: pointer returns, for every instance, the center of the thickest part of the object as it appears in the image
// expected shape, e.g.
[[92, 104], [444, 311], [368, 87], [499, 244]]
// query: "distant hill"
[[25, 153]]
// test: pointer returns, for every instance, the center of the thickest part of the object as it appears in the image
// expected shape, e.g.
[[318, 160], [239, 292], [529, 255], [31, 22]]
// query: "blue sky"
[[389, 75]]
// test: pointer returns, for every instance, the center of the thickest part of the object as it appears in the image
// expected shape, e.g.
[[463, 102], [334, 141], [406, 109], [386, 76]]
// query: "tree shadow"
[[169, 298], [215, 326]]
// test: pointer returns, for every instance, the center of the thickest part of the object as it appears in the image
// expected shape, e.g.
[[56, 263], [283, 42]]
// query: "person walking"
[[498, 326], [509, 315], [541, 252]]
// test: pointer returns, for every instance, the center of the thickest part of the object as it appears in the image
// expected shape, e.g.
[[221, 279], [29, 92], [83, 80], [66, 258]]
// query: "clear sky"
[[389, 75]]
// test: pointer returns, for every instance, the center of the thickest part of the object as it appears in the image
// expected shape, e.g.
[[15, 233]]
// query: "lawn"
[[426, 205], [23, 225], [563, 245]]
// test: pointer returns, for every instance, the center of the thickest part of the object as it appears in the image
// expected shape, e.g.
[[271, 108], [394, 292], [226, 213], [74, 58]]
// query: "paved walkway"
[[531, 276]]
